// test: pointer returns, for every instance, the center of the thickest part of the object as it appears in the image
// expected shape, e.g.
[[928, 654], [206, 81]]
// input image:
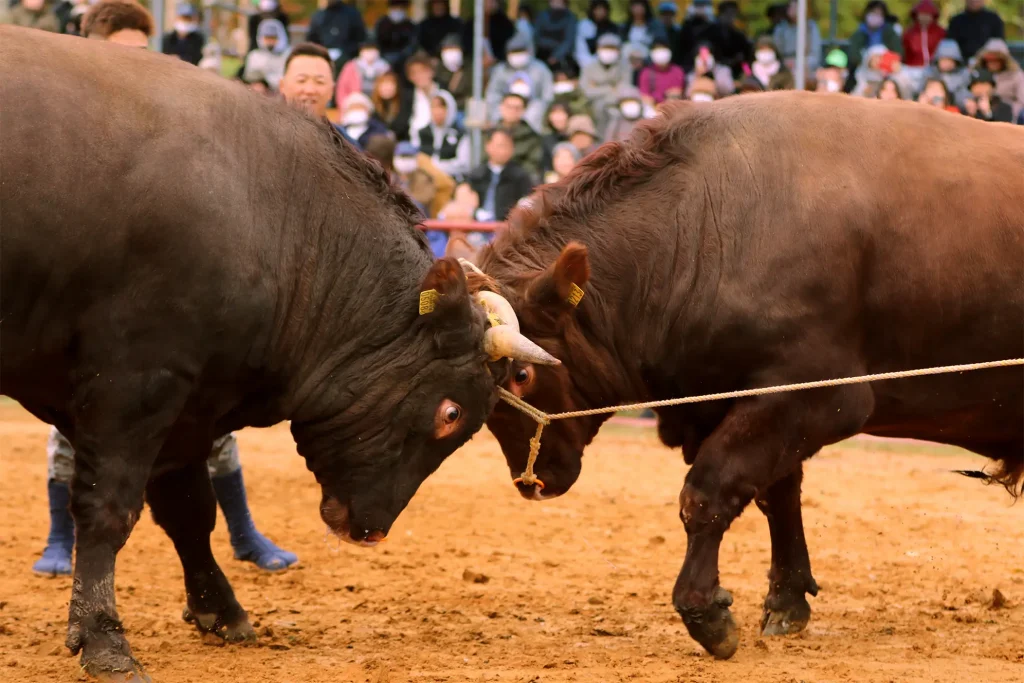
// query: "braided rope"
[[543, 418]]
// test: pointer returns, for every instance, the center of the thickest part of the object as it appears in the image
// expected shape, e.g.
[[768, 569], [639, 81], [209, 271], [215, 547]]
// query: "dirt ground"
[[578, 589]]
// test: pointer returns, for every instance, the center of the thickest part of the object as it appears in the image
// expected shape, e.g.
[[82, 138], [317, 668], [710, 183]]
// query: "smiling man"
[[308, 81]]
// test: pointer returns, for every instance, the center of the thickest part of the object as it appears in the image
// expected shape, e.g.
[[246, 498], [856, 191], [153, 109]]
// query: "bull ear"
[[564, 282], [444, 294]]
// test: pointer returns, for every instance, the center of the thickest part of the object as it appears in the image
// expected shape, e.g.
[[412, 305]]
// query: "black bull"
[[182, 258]]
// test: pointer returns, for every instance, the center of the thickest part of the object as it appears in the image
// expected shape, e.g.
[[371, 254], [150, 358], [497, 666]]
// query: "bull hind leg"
[[121, 420], [184, 505], [786, 610], [758, 442]]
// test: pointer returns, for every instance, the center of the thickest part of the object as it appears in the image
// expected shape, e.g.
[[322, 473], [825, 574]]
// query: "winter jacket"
[[600, 84], [537, 74], [785, 36], [919, 43], [264, 63], [869, 79], [587, 33], [529, 147], [1009, 81], [338, 27], [188, 47], [396, 40], [655, 81], [514, 183], [643, 35], [358, 77], [448, 146], [256, 19], [44, 20], [554, 35], [864, 39], [498, 30], [433, 30], [957, 80], [971, 30]]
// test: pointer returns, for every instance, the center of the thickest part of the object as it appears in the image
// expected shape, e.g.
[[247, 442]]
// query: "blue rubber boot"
[[56, 559], [249, 544]]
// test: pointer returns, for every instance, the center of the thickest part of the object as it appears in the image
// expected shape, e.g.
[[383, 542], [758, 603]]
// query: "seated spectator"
[[393, 105], [212, 59], [268, 9], [499, 182], [498, 28], [358, 121], [582, 134], [437, 27], [186, 41], [396, 34], [628, 113], [983, 102], [698, 29], [995, 58], [642, 28], [703, 89], [267, 60], [555, 132], [874, 31], [431, 187], [308, 81], [935, 94], [603, 78], [564, 158], [461, 208], [555, 33], [338, 27], [832, 75], [974, 27], [455, 73], [888, 90], [419, 70], [522, 74], [704, 64], [636, 57], [124, 22], [879, 64], [597, 23], [734, 48], [670, 29], [948, 64], [528, 147], [360, 74], [920, 41], [661, 76], [444, 140], [567, 92], [768, 71], [37, 14], [785, 38]]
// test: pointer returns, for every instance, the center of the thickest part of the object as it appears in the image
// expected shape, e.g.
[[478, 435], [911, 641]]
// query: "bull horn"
[[469, 266], [498, 306], [503, 341]]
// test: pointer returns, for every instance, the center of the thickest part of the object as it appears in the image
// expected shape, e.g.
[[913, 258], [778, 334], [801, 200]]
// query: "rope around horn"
[[542, 419]]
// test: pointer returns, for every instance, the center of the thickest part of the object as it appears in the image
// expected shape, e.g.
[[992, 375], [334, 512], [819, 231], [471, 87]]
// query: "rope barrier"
[[542, 418]]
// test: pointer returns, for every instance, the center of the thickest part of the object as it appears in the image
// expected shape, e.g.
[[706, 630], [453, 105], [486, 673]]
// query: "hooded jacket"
[[972, 29], [957, 80], [338, 27], [536, 73], [268, 64], [1009, 81], [448, 145], [358, 77], [920, 43]]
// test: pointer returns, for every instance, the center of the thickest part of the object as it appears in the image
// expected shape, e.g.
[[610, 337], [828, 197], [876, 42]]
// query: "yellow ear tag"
[[428, 301], [575, 294], [493, 319]]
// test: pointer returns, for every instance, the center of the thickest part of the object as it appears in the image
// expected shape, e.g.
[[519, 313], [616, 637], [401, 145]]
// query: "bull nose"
[[529, 491]]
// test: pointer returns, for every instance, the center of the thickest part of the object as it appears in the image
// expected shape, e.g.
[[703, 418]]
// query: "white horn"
[[469, 265], [505, 342], [498, 306]]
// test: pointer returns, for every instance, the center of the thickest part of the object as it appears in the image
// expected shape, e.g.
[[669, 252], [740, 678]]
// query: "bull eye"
[[451, 414], [522, 377], [447, 418]]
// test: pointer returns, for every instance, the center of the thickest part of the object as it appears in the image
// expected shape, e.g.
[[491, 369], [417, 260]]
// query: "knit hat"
[[609, 40], [518, 43], [451, 40], [567, 147], [581, 123], [357, 99]]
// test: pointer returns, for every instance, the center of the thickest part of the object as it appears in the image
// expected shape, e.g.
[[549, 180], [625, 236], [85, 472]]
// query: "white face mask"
[[607, 56], [765, 56], [184, 26], [563, 87], [519, 88], [356, 117], [631, 109], [452, 59], [831, 86], [368, 57], [396, 15], [268, 5], [406, 165], [518, 60], [661, 56], [701, 97]]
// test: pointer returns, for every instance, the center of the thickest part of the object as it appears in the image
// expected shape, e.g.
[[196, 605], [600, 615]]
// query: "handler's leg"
[[789, 579], [249, 544], [60, 543], [122, 419], [183, 504]]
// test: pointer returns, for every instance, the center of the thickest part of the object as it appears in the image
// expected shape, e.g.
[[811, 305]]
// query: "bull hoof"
[[106, 657], [784, 615], [235, 631], [712, 625]]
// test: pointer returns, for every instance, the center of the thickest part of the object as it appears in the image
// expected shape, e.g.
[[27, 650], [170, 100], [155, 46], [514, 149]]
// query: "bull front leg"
[[786, 609], [184, 505]]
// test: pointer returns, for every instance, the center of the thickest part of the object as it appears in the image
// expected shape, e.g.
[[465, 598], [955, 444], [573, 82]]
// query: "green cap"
[[837, 59]]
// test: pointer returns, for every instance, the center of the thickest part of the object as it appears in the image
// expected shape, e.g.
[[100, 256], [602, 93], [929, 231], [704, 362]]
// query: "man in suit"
[[499, 182]]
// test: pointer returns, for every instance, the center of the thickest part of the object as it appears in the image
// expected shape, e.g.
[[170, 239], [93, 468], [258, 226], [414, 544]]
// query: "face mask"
[[452, 59], [368, 57], [184, 26], [396, 15], [519, 88], [563, 87], [268, 5], [832, 86], [356, 117], [608, 57], [518, 60], [765, 56], [405, 165], [701, 97], [631, 110], [661, 56], [874, 21]]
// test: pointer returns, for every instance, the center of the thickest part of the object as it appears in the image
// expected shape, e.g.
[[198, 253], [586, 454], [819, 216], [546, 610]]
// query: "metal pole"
[[801, 45], [476, 112], [833, 23], [158, 25]]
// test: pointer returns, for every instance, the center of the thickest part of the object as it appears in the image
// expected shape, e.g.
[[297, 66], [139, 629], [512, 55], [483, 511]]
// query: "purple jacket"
[[654, 81]]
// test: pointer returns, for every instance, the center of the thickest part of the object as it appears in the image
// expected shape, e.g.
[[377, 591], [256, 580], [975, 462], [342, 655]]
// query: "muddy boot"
[[56, 559], [249, 544]]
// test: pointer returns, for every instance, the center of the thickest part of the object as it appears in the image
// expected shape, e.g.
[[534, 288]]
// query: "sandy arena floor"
[[578, 589]]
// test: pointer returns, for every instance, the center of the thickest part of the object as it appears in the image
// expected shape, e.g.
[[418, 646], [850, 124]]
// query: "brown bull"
[[764, 240]]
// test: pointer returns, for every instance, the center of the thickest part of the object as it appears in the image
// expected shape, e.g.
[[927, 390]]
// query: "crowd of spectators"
[[557, 85]]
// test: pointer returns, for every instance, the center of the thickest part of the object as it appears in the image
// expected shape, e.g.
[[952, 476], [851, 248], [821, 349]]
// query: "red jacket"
[[919, 44]]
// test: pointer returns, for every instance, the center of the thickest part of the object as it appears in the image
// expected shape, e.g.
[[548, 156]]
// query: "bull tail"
[[973, 474], [1010, 476]]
